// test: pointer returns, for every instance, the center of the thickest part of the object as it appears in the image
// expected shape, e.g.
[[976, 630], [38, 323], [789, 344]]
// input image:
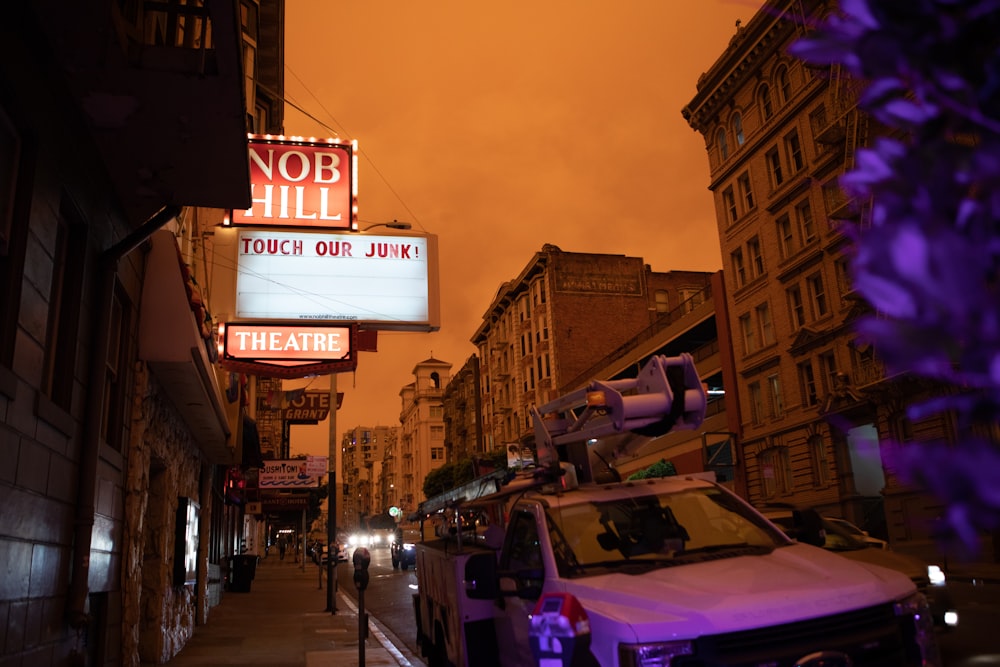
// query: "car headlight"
[[408, 547], [659, 654], [935, 575], [353, 540]]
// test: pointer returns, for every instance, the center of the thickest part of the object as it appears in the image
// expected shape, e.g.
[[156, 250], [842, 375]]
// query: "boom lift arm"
[[618, 417]]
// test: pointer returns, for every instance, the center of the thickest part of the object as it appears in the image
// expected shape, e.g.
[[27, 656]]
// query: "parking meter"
[[560, 632], [362, 559]]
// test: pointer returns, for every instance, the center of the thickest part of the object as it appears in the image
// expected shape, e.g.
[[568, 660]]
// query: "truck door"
[[521, 568]]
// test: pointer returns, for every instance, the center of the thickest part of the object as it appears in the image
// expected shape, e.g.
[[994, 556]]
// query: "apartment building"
[[815, 404], [422, 429], [463, 430], [552, 322], [364, 449]]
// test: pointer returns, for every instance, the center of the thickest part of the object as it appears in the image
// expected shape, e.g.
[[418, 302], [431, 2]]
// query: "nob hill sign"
[[299, 183]]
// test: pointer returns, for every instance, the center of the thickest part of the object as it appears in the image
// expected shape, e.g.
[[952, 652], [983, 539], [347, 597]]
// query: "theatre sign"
[[294, 280]]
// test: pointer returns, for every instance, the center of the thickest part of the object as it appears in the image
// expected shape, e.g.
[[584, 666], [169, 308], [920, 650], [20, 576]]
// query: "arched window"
[[720, 138], [435, 380], [766, 104], [738, 129], [784, 85]]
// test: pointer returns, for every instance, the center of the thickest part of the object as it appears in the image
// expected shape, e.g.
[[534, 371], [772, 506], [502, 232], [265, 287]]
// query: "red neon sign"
[[300, 184]]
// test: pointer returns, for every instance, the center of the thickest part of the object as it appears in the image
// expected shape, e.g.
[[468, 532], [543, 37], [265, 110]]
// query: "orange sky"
[[502, 126]]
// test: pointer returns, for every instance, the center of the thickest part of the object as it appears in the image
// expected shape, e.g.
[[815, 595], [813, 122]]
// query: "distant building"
[[563, 314], [421, 440], [363, 449], [463, 428], [815, 403]]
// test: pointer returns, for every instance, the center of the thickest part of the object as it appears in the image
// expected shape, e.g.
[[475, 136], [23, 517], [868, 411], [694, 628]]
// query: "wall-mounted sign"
[[382, 281], [310, 408], [287, 474], [299, 183], [286, 350]]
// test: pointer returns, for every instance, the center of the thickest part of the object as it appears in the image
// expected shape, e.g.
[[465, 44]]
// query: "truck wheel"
[[437, 655]]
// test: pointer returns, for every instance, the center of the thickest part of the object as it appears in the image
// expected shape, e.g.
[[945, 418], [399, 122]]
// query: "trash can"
[[242, 570]]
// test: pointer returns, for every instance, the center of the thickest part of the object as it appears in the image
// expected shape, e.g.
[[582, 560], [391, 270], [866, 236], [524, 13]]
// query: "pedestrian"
[[282, 545]]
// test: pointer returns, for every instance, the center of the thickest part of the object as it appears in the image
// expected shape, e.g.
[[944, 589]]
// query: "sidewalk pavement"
[[282, 622]]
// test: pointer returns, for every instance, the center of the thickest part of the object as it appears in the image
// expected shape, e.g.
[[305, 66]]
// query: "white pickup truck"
[[669, 572]]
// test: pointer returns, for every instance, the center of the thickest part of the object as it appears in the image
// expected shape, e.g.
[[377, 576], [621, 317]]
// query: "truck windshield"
[[653, 530]]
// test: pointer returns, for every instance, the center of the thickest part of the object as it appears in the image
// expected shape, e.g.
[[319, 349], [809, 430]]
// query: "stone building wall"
[[165, 463]]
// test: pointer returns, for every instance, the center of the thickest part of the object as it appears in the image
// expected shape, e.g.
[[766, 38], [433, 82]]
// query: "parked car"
[[857, 533], [324, 554], [404, 554], [807, 525]]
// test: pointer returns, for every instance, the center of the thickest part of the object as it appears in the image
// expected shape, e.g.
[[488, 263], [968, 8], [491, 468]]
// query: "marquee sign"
[[383, 281], [296, 182], [286, 350]]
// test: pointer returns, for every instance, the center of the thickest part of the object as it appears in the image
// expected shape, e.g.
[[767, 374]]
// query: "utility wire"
[[343, 131]]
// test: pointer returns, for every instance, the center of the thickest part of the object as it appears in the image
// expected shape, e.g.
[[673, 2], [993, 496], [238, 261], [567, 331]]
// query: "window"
[[796, 308], [720, 139], [807, 225], [437, 453], [807, 384], [746, 192], [749, 339], [436, 412], [828, 370], [764, 100], [739, 271], [775, 471], [794, 149], [64, 306], [13, 235], [840, 266], [729, 203], [773, 159], [784, 85], [786, 237], [777, 403], [817, 295], [662, 305], [756, 403], [691, 297], [437, 432], [756, 258], [819, 460], [765, 325], [738, 129], [118, 377]]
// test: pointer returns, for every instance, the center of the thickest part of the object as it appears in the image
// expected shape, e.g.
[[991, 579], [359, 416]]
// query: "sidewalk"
[[282, 622]]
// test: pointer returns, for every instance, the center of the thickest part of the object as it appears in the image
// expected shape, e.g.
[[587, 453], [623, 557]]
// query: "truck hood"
[[724, 595]]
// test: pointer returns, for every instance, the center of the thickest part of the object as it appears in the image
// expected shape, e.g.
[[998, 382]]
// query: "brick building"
[[815, 404], [549, 324], [463, 429]]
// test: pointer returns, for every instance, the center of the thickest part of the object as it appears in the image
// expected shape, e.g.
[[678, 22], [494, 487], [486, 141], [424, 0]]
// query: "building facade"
[[815, 404], [364, 449], [463, 429], [546, 328], [422, 426], [123, 134]]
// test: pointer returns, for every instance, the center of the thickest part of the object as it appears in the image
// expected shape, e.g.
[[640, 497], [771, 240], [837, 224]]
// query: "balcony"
[[161, 87]]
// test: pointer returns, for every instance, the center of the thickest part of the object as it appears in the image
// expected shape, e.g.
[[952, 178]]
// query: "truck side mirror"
[[481, 576]]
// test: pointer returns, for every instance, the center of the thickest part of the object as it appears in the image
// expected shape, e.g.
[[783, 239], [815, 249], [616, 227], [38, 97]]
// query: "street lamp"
[[395, 224]]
